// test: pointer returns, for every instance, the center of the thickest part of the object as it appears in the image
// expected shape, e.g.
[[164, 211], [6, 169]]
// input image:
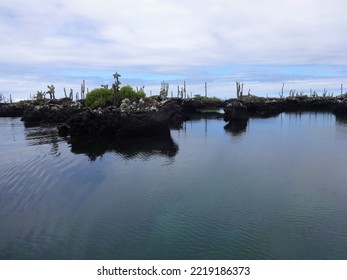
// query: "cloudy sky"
[[263, 44]]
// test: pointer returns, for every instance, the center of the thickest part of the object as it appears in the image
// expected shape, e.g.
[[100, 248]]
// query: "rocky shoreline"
[[156, 117], [264, 107], [147, 117]]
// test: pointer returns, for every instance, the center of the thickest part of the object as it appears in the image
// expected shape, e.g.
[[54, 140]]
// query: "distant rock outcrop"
[[236, 111], [11, 110], [121, 122], [42, 114], [152, 116]]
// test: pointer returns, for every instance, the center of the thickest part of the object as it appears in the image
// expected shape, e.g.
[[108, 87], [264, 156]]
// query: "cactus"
[[116, 88], [325, 92], [239, 90], [51, 91], [282, 93], [117, 83], [40, 95], [164, 90], [83, 89]]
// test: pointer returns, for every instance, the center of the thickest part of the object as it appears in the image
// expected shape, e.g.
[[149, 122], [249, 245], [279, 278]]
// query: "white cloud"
[[169, 37]]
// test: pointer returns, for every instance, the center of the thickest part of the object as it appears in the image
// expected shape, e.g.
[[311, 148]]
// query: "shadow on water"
[[144, 147], [236, 128]]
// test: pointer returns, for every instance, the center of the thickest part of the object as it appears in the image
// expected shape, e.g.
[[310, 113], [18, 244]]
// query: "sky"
[[262, 44]]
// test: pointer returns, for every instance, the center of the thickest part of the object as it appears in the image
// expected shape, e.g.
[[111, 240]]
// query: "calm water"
[[271, 189]]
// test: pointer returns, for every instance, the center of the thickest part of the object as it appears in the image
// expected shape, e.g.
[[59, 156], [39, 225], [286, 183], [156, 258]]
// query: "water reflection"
[[216, 201], [204, 119], [312, 116], [236, 128], [341, 120], [143, 147], [341, 126], [43, 135]]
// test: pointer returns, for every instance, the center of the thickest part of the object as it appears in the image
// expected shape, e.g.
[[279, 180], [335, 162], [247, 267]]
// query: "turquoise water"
[[268, 189]]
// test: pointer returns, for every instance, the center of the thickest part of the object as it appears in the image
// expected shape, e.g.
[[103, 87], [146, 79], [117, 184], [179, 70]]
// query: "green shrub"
[[130, 93], [198, 97], [99, 97]]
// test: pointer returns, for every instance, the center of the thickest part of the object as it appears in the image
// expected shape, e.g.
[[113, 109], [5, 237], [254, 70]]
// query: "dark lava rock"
[[111, 121], [49, 114], [261, 107], [236, 127], [63, 130], [193, 105], [265, 109], [11, 110], [95, 122], [150, 123], [235, 111], [340, 108]]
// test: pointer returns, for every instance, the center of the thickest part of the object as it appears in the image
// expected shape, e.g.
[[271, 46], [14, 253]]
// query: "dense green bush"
[[99, 97], [130, 93]]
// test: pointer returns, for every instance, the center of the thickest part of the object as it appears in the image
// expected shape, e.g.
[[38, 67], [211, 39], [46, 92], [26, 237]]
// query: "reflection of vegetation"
[[143, 147]]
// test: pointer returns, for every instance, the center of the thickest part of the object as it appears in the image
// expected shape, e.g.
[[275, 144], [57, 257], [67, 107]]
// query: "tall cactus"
[[83, 89], [239, 90], [51, 91], [116, 88]]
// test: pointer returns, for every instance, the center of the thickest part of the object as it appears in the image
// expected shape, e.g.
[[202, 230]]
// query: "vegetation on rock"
[[198, 97], [99, 97], [131, 94]]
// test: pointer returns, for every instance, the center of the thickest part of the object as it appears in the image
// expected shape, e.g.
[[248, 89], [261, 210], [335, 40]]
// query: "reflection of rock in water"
[[143, 147], [236, 127], [43, 135], [341, 120]]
